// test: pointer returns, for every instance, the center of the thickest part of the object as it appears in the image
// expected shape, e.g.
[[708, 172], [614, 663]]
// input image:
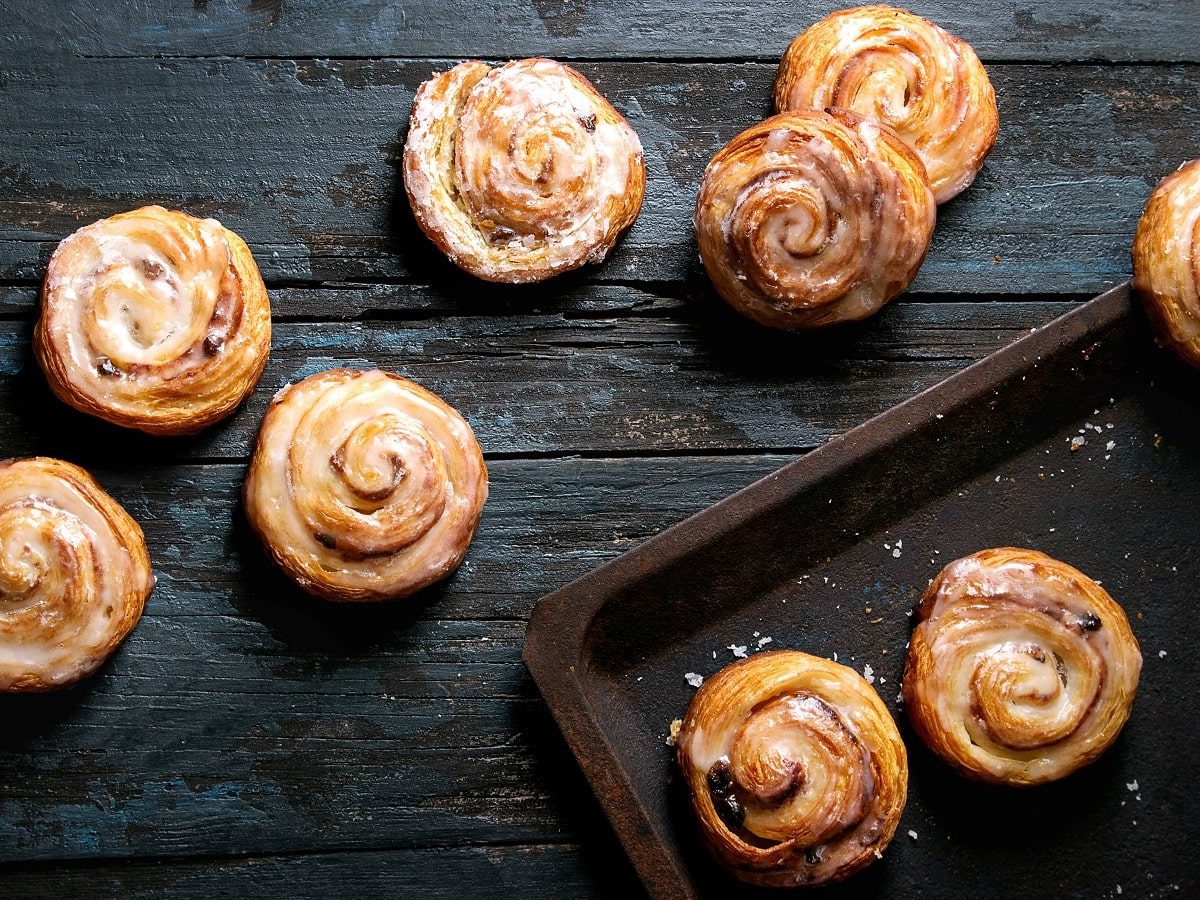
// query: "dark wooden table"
[[249, 742]]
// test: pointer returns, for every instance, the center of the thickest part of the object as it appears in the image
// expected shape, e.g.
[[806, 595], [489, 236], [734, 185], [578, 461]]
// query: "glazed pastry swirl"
[[365, 486], [906, 72], [521, 172], [797, 773], [1166, 260], [154, 320], [1021, 669], [810, 219], [74, 574]]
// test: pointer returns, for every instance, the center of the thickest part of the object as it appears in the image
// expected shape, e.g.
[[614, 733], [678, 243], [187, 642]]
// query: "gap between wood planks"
[[668, 299]]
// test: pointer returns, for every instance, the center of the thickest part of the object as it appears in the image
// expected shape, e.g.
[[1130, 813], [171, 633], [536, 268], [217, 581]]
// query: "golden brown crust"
[[906, 72], [797, 773], [364, 486], [74, 574], [154, 320], [1166, 261], [810, 219], [521, 172], [1021, 669]]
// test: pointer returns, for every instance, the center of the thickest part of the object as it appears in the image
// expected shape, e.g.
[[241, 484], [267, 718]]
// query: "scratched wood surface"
[[247, 741]]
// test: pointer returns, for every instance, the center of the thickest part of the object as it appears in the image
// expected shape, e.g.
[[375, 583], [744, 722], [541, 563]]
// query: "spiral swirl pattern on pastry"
[[364, 485], [796, 769], [74, 574], [521, 172], [1021, 669], [811, 218], [154, 320], [1166, 261], [906, 72]]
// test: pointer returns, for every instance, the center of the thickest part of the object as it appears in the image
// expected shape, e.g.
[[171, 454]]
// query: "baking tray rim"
[[558, 625]]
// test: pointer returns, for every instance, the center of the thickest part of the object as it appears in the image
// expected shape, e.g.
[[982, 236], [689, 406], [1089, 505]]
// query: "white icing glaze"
[[147, 321], [521, 171], [70, 588], [365, 482], [1167, 259], [816, 222], [1029, 670], [908, 73], [811, 757]]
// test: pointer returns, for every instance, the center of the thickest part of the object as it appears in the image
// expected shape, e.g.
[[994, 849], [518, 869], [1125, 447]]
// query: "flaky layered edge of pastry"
[[364, 486], [1166, 261], [1021, 669], [520, 172], [74, 574], [812, 218], [153, 320], [796, 770], [903, 71]]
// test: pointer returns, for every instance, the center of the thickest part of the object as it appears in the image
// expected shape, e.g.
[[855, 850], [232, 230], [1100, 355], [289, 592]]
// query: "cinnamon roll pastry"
[[154, 320], [906, 72], [520, 172], [796, 769], [74, 574], [1021, 669], [810, 219], [1166, 261], [364, 485]]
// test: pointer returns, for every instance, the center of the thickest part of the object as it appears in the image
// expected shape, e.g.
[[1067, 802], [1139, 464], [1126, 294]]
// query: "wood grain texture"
[[696, 378], [300, 157], [1024, 30]]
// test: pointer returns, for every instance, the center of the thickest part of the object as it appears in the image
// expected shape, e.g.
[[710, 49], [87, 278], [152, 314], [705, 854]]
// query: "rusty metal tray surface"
[[829, 554]]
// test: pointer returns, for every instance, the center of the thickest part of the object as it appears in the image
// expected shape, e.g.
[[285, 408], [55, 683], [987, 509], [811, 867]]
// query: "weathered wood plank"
[[241, 717], [1025, 30], [595, 869], [700, 378], [300, 157]]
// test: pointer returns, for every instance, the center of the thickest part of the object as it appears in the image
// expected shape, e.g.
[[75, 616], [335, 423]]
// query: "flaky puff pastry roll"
[[74, 574], [796, 769], [521, 172], [1166, 261], [811, 218], [154, 320], [906, 72], [364, 485], [1021, 669]]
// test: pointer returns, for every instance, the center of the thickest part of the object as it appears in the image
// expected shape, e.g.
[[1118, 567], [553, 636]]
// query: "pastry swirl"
[[521, 172], [904, 71], [796, 769], [74, 574], [364, 485], [811, 218], [154, 320], [1166, 261], [1021, 669]]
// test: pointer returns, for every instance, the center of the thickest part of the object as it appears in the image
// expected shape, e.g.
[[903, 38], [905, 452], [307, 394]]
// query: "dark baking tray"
[[807, 557]]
